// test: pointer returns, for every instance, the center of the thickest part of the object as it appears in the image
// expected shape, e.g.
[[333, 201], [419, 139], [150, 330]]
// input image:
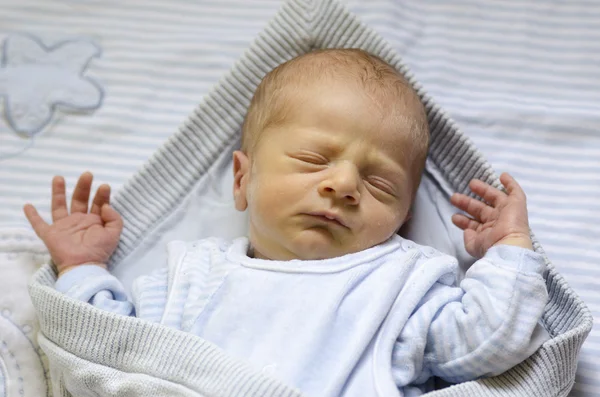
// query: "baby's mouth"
[[328, 218]]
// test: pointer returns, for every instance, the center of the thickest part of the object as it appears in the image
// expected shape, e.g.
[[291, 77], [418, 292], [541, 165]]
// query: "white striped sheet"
[[449, 48], [473, 102], [72, 168], [120, 37], [129, 91], [153, 139], [587, 360], [125, 155], [207, 41], [574, 41], [594, 307], [548, 186], [514, 68], [122, 113], [534, 183], [527, 143], [583, 388], [71, 174], [525, 24], [553, 180], [530, 165], [139, 12], [590, 253], [552, 202], [577, 280], [77, 157], [547, 231], [556, 215], [584, 266], [127, 59], [166, 23], [587, 372], [121, 65], [476, 32], [26, 193], [570, 14], [160, 10], [126, 130], [523, 87], [508, 9], [17, 195], [506, 57], [22, 192], [582, 167], [575, 237], [594, 344], [557, 123], [159, 82]]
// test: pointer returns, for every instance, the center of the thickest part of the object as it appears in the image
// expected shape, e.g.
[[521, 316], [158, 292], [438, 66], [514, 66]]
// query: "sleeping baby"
[[323, 294]]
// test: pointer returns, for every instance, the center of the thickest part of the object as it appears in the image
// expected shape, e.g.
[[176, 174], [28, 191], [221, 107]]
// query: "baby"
[[324, 294]]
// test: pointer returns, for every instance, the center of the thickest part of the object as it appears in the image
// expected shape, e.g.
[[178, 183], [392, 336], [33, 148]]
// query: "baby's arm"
[[486, 326], [80, 243], [95, 285], [483, 327]]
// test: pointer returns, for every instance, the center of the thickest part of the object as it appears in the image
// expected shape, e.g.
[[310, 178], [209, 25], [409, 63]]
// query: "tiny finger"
[[487, 192], [473, 207], [511, 185], [102, 197], [38, 224], [112, 219], [464, 222], [81, 194], [59, 199]]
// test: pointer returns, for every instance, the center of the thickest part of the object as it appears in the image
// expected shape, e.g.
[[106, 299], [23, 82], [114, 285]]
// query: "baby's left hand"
[[501, 219]]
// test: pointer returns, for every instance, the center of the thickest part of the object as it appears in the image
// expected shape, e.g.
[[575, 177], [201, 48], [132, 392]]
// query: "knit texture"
[[73, 331]]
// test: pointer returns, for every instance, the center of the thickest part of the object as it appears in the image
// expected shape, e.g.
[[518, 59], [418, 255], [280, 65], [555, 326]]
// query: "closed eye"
[[311, 158], [381, 184]]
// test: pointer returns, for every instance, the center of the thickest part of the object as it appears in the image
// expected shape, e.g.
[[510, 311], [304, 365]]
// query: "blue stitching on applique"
[[39, 65]]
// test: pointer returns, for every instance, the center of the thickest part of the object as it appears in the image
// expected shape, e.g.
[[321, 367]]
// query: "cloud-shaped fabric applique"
[[34, 79]]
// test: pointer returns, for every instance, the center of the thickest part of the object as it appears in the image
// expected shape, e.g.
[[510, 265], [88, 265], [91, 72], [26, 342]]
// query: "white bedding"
[[521, 78]]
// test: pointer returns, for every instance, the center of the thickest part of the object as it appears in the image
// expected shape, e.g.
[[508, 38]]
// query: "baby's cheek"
[[387, 221], [268, 196]]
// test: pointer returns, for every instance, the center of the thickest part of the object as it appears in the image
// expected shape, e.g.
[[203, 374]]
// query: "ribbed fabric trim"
[[133, 345], [169, 175]]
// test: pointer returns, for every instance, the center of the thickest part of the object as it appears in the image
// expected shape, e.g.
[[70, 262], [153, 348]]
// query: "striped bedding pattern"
[[521, 78]]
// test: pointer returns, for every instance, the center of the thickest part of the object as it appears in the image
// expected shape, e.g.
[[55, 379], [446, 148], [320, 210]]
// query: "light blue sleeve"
[[486, 325], [95, 285]]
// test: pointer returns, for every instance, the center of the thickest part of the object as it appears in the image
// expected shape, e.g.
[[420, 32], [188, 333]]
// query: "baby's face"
[[334, 156]]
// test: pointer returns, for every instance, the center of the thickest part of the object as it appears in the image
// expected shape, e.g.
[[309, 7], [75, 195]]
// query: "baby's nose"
[[342, 183]]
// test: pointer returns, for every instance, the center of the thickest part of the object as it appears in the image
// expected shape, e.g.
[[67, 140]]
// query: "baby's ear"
[[241, 168]]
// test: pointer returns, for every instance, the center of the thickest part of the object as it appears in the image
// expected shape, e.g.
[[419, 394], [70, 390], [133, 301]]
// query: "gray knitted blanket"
[[92, 352]]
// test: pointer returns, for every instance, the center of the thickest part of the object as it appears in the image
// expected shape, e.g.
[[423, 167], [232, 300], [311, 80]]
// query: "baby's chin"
[[317, 244]]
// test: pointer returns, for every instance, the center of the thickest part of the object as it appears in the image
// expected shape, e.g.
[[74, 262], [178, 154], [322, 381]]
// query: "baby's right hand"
[[81, 237]]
